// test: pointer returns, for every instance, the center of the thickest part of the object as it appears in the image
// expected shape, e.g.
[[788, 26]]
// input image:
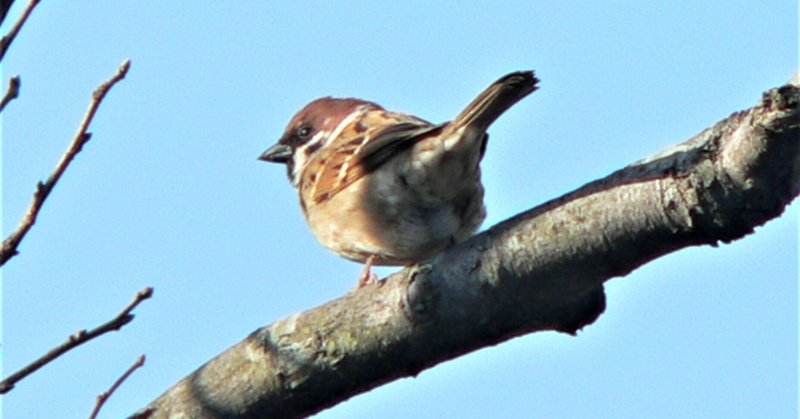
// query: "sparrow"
[[387, 188]]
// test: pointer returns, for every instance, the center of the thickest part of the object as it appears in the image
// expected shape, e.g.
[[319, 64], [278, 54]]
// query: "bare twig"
[[8, 39], [101, 399], [79, 338], [12, 92], [11, 243], [5, 6]]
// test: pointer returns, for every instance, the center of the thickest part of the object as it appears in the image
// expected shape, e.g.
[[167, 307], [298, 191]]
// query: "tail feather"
[[496, 99]]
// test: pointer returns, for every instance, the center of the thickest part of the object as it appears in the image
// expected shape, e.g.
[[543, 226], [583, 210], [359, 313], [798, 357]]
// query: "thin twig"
[[101, 399], [12, 92], [11, 243], [8, 39], [5, 6], [79, 338]]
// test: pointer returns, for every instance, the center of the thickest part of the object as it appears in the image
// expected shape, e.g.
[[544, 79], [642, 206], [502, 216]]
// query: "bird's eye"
[[303, 132]]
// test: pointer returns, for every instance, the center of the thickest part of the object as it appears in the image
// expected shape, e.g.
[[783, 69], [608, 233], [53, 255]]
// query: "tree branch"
[[11, 243], [12, 92], [5, 6], [79, 338], [6, 41], [101, 399], [541, 270]]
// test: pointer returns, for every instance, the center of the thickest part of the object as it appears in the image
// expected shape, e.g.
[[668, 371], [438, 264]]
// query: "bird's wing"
[[364, 153]]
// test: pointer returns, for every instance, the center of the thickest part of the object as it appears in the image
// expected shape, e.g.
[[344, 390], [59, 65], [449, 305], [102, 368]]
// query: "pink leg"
[[367, 276]]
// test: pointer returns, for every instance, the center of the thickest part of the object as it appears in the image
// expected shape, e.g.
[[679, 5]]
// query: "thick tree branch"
[[541, 270], [79, 338], [11, 243]]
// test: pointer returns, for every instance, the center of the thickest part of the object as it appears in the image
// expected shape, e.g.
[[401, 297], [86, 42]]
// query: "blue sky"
[[169, 193]]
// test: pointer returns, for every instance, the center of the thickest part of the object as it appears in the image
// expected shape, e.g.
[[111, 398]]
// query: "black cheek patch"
[[290, 169], [312, 148]]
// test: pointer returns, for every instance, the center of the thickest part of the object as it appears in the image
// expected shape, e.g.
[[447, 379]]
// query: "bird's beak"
[[279, 153]]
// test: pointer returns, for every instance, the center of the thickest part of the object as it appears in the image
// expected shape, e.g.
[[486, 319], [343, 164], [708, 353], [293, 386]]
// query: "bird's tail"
[[496, 99]]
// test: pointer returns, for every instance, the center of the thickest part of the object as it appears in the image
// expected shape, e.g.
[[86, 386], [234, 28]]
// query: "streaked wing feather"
[[364, 154]]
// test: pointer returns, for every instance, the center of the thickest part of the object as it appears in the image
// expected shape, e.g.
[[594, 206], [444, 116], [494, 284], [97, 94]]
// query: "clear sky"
[[169, 193]]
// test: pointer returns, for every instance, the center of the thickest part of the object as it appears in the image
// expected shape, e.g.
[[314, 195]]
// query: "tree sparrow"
[[387, 188]]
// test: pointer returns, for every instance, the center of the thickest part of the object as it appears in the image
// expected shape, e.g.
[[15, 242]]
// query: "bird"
[[381, 187]]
